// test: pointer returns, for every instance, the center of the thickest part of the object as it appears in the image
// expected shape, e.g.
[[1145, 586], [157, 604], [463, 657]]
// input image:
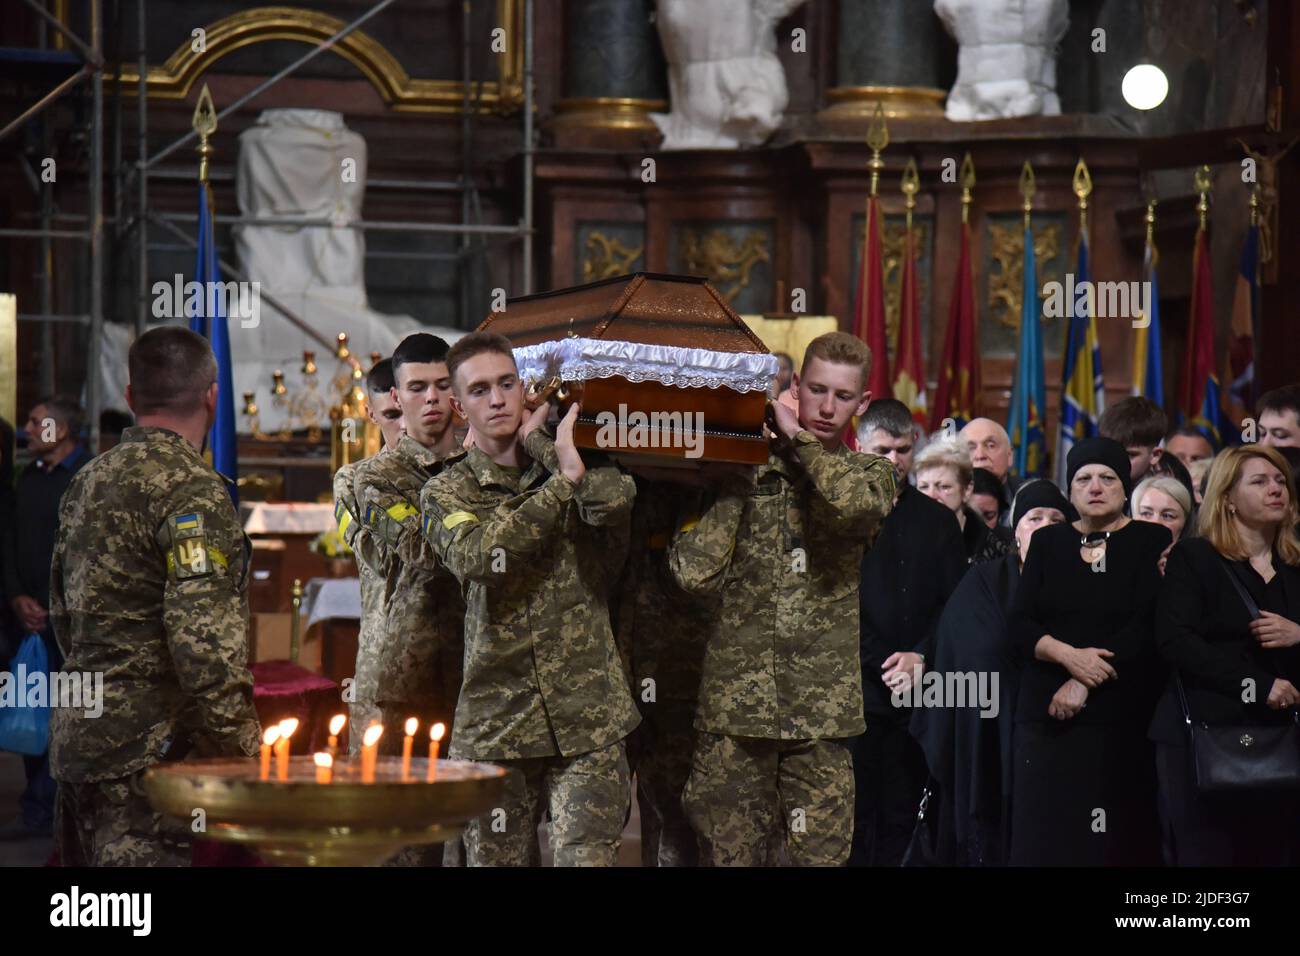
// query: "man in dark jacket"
[[906, 577], [54, 440]]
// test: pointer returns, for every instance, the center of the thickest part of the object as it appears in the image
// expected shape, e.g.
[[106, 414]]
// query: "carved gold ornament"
[[1007, 276], [722, 259], [399, 90], [606, 256]]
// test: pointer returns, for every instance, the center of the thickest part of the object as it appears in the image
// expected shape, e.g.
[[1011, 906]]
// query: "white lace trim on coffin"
[[579, 359]]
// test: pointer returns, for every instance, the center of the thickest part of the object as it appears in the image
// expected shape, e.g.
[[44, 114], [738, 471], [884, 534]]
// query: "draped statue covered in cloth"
[[1006, 65], [726, 83]]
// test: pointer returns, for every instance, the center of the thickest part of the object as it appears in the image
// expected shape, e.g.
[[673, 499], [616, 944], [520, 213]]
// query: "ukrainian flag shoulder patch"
[[189, 522]]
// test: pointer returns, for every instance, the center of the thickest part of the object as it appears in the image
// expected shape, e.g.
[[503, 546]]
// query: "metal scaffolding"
[[137, 174]]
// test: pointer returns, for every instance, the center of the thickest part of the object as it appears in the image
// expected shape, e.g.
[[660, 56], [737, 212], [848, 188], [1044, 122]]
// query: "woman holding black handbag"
[[1227, 742]]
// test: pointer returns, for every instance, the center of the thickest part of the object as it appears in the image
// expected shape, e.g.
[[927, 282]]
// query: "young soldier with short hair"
[[420, 659], [527, 526], [781, 687]]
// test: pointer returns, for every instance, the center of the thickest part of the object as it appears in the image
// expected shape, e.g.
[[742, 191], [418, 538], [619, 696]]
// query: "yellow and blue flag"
[[1083, 393], [1148, 369]]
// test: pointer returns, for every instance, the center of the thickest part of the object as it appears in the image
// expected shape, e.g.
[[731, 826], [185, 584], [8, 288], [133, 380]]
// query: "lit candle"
[[336, 727], [268, 741], [370, 752], [324, 767], [435, 737], [287, 727], [407, 743]]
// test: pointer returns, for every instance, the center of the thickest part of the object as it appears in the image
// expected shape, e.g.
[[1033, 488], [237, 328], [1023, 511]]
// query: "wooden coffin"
[[663, 367]]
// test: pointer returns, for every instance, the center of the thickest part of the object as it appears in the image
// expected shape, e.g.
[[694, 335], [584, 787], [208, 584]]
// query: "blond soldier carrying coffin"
[[383, 410], [529, 527], [781, 686], [420, 657], [149, 588]]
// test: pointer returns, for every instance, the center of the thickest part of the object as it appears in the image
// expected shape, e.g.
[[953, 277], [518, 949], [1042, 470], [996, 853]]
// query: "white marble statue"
[[298, 162], [726, 84], [1007, 60]]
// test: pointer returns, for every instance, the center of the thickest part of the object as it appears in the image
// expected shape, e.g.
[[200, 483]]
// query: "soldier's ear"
[[130, 399], [456, 406]]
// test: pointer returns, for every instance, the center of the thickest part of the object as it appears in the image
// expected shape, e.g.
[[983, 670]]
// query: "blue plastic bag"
[[24, 729]]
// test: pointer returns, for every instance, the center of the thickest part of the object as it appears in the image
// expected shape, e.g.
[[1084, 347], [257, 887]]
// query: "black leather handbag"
[[1229, 757]]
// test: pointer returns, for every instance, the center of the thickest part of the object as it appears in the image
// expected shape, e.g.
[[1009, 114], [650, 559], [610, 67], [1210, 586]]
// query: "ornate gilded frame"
[[399, 90]]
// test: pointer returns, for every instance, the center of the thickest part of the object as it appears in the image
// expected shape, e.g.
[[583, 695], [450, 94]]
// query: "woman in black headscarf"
[[1083, 621], [968, 750]]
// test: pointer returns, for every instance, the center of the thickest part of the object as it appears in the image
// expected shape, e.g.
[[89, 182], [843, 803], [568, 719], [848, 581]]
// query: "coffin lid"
[[647, 326]]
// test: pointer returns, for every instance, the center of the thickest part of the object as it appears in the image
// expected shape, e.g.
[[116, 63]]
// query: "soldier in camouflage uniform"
[[149, 588], [528, 531], [662, 632], [420, 658], [383, 410], [782, 685]]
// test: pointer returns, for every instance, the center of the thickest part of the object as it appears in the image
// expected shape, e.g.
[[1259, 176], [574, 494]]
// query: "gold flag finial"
[[1027, 189], [967, 186], [205, 124], [911, 186], [877, 140], [1082, 189], [1204, 183]]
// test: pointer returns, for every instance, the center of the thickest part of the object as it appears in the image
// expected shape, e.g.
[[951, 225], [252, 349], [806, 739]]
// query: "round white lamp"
[[1145, 86]]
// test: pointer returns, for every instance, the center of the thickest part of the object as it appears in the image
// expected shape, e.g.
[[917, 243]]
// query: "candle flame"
[[323, 759], [411, 726], [288, 726], [336, 723], [437, 731], [272, 735], [373, 733]]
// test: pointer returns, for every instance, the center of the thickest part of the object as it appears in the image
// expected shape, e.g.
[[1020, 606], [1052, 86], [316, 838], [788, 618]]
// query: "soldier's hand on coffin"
[[571, 465], [783, 420], [534, 420]]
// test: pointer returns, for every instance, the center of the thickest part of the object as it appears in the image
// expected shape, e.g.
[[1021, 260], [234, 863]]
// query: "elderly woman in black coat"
[[968, 748], [1227, 622], [1083, 621]]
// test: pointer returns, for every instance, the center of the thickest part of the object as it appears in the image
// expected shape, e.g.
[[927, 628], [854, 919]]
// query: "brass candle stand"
[[300, 822]]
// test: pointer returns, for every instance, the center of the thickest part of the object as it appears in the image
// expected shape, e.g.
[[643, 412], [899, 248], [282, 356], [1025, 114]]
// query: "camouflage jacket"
[[782, 660], [422, 645], [533, 551], [662, 630], [149, 586], [370, 637]]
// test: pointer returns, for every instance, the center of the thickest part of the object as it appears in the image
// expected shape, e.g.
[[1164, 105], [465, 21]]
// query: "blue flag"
[[1148, 370], [1083, 394], [210, 322], [1029, 396]]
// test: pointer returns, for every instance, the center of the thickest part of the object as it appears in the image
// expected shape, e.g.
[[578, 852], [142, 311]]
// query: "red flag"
[[909, 360], [1198, 397], [959, 371], [869, 307]]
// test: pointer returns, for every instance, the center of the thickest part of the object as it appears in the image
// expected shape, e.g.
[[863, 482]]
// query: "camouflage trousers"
[[363, 711], [112, 823], [742, 789], [664, 742], [587, 799]]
